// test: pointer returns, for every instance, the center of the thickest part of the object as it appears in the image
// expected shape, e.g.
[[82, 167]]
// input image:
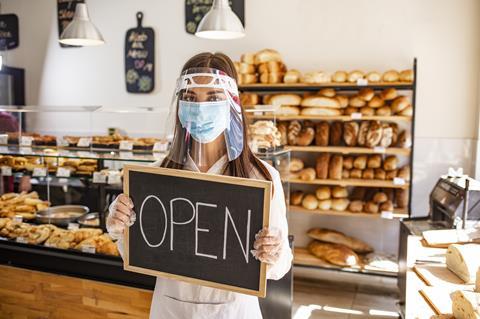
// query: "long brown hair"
[[247, 162]]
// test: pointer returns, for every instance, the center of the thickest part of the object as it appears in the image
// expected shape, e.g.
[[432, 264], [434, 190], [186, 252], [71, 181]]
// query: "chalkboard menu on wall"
[[196, 9], [140, 58], [65, 12], [196, 227], [8, 31]]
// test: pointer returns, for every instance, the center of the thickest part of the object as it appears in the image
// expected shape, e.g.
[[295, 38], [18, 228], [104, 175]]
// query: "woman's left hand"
[[267, 245]]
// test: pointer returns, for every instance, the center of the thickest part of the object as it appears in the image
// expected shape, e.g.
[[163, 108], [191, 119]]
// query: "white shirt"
[[174, 299]]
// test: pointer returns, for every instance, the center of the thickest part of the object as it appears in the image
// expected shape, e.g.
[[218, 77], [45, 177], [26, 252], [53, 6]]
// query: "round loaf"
[[374, 134], [325, 111], [383, 111], [325, 204], [368, 173], [307, 174], [320, 101], [374, 161], [356, 206], [390, 163], [340, 204], [323, 192], [389, 94], [342, 100], [310, 202], [399, 104], [391, 76], [371, 207], [380, 174], [339, 192], [296, 164], [267, 55], [348, 162], [292, 76], [296, 197], [345, 173], [373, 77], [285, 99], [367, 111], [379, 198], [248, 78], [360, 162], [327, 92], [354, 76], [340, 77], [356, 101], [275, 67], [376, 101], [356, 173], [406, 76], [366, 94], [387, 206]]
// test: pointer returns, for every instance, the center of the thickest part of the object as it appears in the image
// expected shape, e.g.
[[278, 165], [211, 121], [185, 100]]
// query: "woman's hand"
[[267, 245], [121, 215]]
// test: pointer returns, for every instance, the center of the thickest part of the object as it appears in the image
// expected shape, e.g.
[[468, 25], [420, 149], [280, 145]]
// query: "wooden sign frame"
[[265, 185]]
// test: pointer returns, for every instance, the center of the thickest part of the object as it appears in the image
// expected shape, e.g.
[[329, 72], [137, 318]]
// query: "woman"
[[210, 136]]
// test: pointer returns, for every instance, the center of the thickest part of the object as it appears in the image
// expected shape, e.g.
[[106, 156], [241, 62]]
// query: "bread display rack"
[[405, 153]]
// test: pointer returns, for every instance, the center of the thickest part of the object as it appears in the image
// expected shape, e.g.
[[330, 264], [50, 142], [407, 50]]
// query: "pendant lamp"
[[81, 31], [220, 23]]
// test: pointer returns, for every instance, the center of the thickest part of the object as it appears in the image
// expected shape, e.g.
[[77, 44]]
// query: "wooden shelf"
[[397, 213], [303, 258], [315, 87], [350, 150], [349, 182], [344, 118]]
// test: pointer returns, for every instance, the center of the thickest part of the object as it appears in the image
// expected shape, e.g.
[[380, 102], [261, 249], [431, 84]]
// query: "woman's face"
[[200, 94]]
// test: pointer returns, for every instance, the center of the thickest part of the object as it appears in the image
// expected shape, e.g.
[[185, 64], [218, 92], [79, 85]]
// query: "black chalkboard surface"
[[65, 13], [8, 31], [140, 58], [196, 9], [196, 227]]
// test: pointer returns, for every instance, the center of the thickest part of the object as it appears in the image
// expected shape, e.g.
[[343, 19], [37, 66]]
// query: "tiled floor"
[[322, 300]]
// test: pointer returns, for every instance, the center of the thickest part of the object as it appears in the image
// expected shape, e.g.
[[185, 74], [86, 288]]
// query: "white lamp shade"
[[81, 30], [220, 23]]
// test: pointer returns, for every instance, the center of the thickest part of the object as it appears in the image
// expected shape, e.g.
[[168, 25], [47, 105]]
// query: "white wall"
[[310, 34]]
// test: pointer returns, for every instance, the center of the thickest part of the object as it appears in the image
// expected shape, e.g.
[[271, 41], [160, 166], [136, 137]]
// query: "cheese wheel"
[[464, 261]]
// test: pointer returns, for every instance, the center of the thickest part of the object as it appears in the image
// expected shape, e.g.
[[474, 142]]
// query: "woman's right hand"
[[121, 215]]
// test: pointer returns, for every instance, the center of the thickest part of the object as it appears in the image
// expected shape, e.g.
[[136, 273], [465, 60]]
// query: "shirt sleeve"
[[278, 219]]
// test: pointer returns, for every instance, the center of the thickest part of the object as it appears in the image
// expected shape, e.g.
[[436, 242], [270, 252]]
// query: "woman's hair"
[[247, 162]]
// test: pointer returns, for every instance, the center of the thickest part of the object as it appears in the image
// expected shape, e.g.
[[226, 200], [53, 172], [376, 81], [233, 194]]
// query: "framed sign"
[[195, 227], [8, 32], [196, 9], [65, 13]]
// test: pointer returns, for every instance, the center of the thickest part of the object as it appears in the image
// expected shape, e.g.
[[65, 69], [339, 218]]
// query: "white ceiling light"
[[81, 30], [220, 23]]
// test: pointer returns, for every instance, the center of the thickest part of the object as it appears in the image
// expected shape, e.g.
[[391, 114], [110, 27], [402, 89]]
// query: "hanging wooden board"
[[140, 58], [195, 10], [9, 38], [65, 13]]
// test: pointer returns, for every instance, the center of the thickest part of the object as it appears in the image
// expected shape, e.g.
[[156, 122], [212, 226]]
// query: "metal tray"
[[89, 217], [51, 215]]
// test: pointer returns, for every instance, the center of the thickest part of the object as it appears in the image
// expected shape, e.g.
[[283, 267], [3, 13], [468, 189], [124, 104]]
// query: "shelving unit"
[[350, 182], [302, 87], [397, 213], [253, 115], [350, 150]]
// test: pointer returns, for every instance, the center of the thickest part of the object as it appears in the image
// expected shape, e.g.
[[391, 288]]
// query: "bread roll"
[[380, 174], [323, 192], [336, 133], [399, 104], [356, 101], [390, 163], [376, 101], [390, 175], [345, 174], [248, 78], [327, 92], [296, 198], [374, 161], [408, 111], [245, 68], [310, 202], [294, 129], [406, 76], [275, 67], [389, 94], [316, 77], [386, 206], [286, 99], [367, 111], [292, 76], [350, 133], [356, 206], [366, 94], [340, 77], [374, 134], [348, 162], [391, 76], [307, 174], [339, 192], [371, 208], [373, 77], [464, 261], [267, 55], [404, 139], [465, 304], [401, 198], [322, 133], [336, 237], [362, 133], [338, 255], [263, 78], [350, 110], [368, 173], [322, 164], [342, 100], [306, 136], [322, 111], [320, 101], [295, 165], [335, 167], [248, 58], [360, 162], [404, 173], [380, 197], [356, 173], [275, 77], [383, 111], [249, 99], [387, 135], [288, 110], [325, 204], [340, 204], [354, 76]]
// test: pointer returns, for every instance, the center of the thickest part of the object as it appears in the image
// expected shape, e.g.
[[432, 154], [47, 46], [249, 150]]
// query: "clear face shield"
[[205, 117]]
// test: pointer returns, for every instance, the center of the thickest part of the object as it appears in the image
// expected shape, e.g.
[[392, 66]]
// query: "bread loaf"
[[371, 208], [406, 76], [374, 161], [387, 135], [356, 206], [404, 139], [340, 204], [465, 304], [245, 68], [292, 76], [323, 192], [383, 111], [399, 104], [321, 111], [356, 101], [248, 58], [340, 77], [390, 163], [320, 101], [367, 111], [339, 192], [380, 174], [374, 134], [386, 206], [366, 94], [345, 173], [376, 101], [401, 198], [263, 78], [248, 78], [354, 76], [275, 77], [348, 162], [350, 110], [390, 175], [335, 167], [350, 133], [307, 174], [373, 77], [389, 94], [342, 100], [336, 237], [322, 133], [310, 202], [286, 99], [249, 99], [336, 133], [360, 162], [368, 173], [391, 76], [294, 129], [305, 137], [380, 197], [295, 165], [325, 204], [335, 254], [356, 173], [267, 55], [408, 111], [296, 198], [362, 133], [464, 261], [273, 67], [282, 128], [328, 92], [404, 173], [322, 164]]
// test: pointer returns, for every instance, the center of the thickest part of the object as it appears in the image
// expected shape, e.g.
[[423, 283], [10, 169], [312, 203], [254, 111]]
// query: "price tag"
[[73, 226], [379, 149], [362, 82], [356, 116], [398, 181], [88, 249], [61, 142], [160, 146], [126, 145], [39, 172], [6, 171], [18, 218], [4, 139], [26, 141], [63, 172], [387, 214], [22, 240], [114, 178], [84, 142], [99, 178]]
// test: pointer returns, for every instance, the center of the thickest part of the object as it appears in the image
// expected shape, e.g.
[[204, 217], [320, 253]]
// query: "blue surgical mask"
[[205, 121]]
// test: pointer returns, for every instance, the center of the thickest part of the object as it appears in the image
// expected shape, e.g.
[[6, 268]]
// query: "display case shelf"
[[284, 87], [397, 213], [351, 150], [345, 118], [350, 182]]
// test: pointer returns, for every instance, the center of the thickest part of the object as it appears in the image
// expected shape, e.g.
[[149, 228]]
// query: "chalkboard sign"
[[140, 58], [65, 13], [196, 227], [8, 31], [195, 10]]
